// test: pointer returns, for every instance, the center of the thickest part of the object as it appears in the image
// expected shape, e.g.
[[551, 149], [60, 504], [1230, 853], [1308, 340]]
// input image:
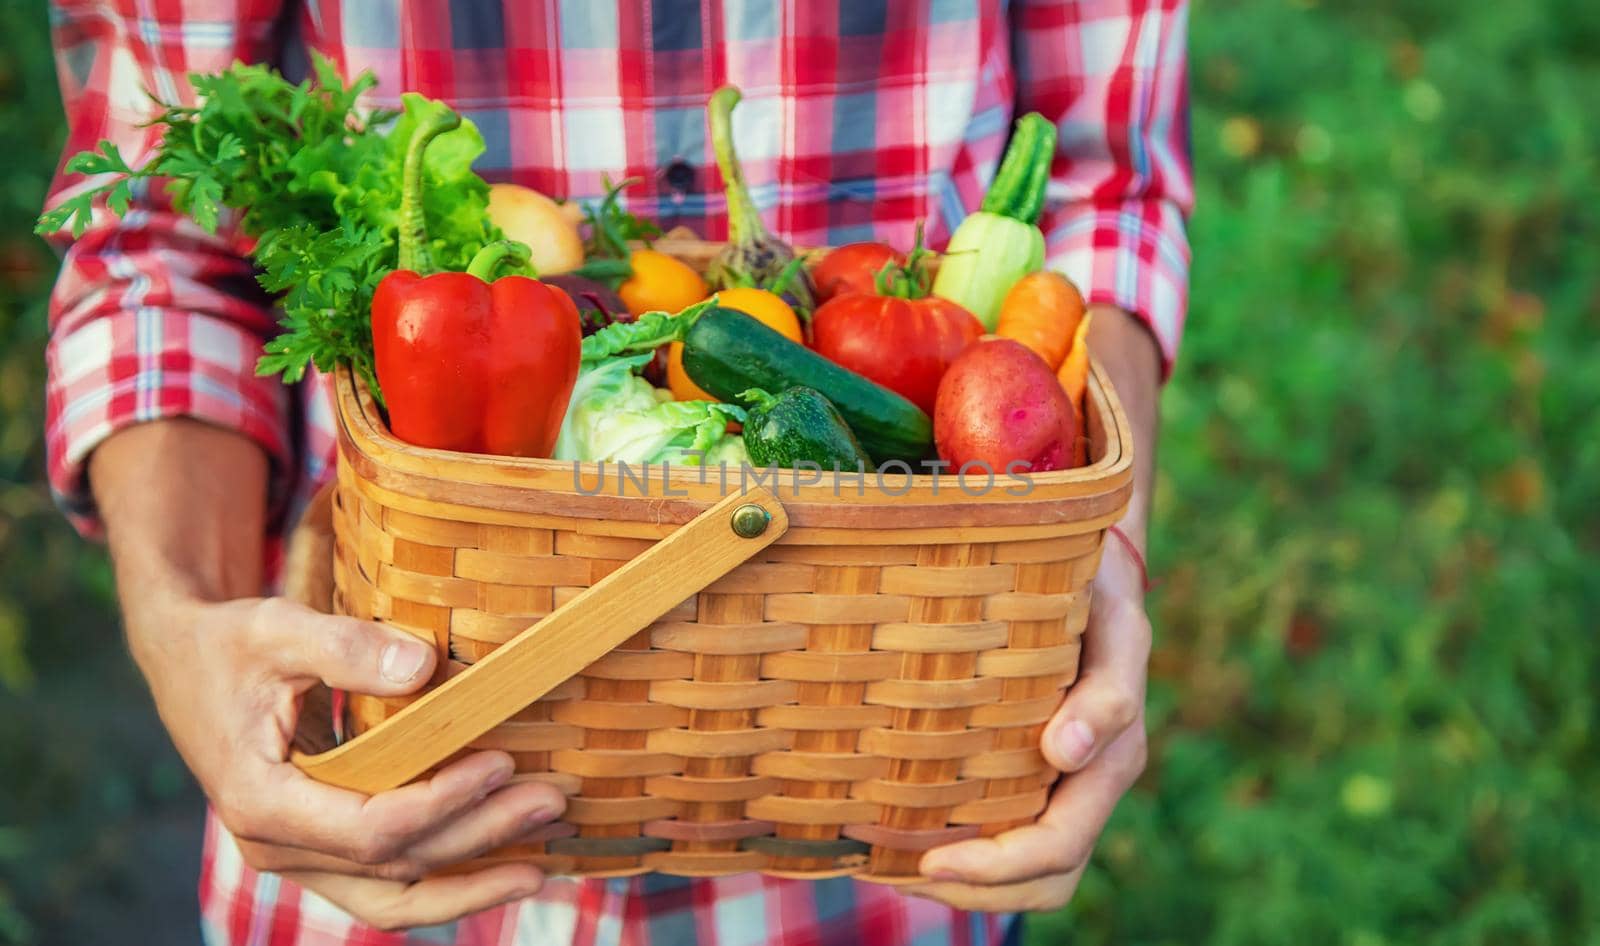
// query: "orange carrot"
[[1074, 378], [1042, 311]]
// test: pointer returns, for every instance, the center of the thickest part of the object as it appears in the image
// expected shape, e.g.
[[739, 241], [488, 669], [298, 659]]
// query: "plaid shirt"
[[859, 119]]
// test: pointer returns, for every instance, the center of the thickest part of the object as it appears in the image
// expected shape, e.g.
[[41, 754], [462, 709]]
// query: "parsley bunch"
[[317, 182]]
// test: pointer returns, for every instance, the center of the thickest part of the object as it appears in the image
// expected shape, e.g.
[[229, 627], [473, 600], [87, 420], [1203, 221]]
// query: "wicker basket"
[[864, 678]]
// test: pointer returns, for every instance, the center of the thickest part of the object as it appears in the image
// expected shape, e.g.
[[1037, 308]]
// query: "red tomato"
[[851, 268], [903, 344]]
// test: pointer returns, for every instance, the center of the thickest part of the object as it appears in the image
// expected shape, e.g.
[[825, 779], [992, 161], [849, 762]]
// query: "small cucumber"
[[728, 353], [798, 426]]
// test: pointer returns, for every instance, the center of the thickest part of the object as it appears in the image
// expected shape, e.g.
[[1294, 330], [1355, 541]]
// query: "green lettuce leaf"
[[644, 334], [616, 415]]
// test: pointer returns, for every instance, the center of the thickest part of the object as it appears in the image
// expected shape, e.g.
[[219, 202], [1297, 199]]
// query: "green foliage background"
[[1378, 534]]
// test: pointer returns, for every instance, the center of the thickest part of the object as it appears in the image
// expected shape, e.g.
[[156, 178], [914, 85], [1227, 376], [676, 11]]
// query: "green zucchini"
[[799, 425], [1000, 244], [728, 353], [1018, 188]]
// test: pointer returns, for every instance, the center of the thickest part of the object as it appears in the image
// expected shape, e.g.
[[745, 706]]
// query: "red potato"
[[1000, 403]]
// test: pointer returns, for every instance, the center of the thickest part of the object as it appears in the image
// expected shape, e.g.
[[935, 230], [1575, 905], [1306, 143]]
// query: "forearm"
[[184, 506], [1129, 354]]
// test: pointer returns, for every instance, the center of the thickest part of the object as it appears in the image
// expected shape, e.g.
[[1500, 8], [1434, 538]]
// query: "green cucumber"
[[728, 353], [799, 425]]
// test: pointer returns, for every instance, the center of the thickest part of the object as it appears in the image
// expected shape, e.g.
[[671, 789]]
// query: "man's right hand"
[[183, 505], [228, 679]]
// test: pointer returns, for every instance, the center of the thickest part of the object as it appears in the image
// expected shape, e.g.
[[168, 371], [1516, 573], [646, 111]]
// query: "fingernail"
[[944, 875], [401, 661], [539, 817], [497, 778], [938, 870], [546, 811], [1075, 741]]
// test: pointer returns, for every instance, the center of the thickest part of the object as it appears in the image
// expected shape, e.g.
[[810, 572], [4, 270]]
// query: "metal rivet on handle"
[[750, 521]]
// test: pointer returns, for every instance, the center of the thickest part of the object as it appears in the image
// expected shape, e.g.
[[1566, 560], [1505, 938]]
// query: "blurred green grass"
[[1378, 533], [1379, 506], [98, 819]]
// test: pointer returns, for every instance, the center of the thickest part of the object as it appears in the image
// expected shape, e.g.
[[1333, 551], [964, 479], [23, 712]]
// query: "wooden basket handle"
[[561, 645]]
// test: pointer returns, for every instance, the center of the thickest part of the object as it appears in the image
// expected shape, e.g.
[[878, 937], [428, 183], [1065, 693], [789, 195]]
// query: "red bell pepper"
[[899, 337], [466, 363]]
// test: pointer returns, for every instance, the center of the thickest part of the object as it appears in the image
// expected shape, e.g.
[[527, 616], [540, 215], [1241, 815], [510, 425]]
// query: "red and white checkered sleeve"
[[151, 317], [1113, 76]]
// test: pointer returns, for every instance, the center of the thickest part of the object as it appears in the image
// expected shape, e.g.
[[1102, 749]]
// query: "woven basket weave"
[[864, 680]]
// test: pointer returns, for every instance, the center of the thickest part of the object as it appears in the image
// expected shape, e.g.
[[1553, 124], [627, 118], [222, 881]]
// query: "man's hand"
[[232, 710], [1097, 738], [184, 505]]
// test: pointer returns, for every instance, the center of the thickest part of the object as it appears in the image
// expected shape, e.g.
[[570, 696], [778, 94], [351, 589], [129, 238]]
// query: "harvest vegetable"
[[647, 333], [317, 181], [534, 219], [660, 283], [598, 306], [616, 415], [765, 307], [468, 362], [752, 256], [612, 229], [999, 244], [1074, 372], [645, 279], [728, 353], [799, 426], [729, 451], [900, 337], [1000, 404], [1074, 378], [853, 267], [597, 303], [1042, 311]]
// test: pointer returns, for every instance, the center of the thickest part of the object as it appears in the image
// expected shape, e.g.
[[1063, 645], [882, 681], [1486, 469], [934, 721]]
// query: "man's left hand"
[[1097, 739]]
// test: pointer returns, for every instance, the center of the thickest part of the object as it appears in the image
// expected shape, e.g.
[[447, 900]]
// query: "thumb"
[[1097, 710], [1109, 695], [346, 653]]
